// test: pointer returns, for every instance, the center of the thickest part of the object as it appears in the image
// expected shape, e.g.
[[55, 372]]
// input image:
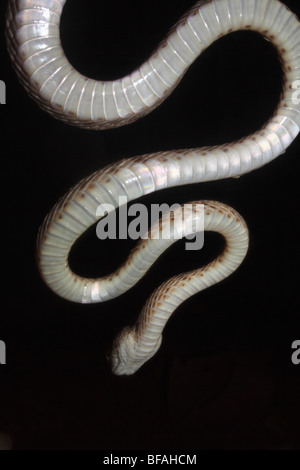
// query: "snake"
[[34, 46]]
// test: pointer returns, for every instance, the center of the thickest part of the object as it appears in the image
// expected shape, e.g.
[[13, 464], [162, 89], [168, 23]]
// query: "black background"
[[223, 377]]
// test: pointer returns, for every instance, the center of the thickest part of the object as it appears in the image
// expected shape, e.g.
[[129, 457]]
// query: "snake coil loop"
[[33, 39]]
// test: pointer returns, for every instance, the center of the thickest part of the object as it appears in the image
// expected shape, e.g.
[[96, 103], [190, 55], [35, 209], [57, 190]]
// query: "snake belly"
[[33, 39]]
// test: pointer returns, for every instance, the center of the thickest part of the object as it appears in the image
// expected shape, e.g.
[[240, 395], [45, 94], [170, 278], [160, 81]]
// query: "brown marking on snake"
[[71, 113]]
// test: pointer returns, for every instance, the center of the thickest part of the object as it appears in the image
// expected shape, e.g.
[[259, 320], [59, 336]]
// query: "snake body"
[[34, 45]]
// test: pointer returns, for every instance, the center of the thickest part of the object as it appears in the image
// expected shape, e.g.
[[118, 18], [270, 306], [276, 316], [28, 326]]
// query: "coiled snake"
[[33, 40]]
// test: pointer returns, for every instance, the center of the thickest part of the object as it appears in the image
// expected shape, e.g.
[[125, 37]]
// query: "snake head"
[[125, 358]]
